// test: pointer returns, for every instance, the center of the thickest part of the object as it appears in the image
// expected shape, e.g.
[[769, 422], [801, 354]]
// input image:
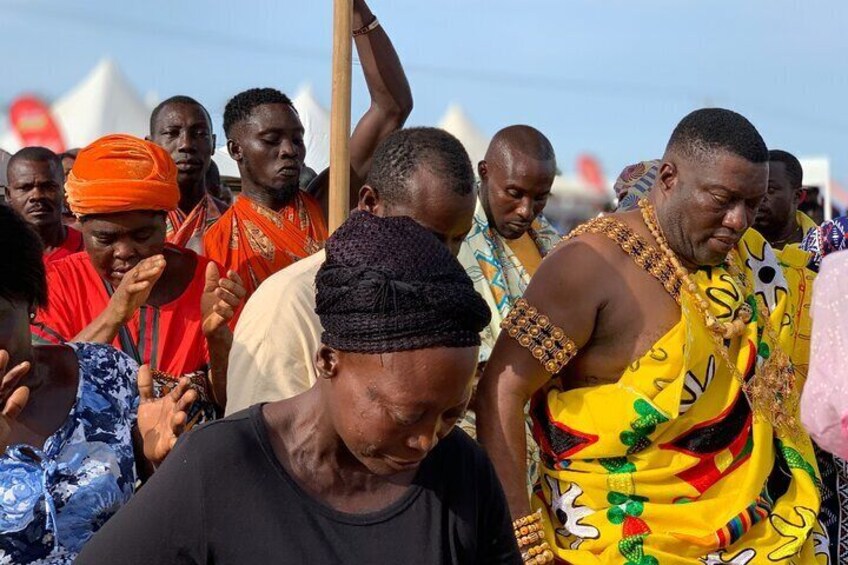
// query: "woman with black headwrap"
[[365, 467]]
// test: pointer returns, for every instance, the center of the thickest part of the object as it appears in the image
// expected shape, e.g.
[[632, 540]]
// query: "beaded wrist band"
[[530, 535], [546, 342]]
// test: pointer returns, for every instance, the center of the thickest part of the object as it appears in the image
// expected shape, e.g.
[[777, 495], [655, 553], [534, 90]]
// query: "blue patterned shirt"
[[53, 499]]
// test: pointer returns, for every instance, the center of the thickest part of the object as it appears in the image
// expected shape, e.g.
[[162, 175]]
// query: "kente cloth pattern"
[[72, 244], [187, 230], [169, 337], [794, 263], [668, 465], [634, 183], [496, 271], [121, 173], [256, 242], [54, 498], [823, 240]]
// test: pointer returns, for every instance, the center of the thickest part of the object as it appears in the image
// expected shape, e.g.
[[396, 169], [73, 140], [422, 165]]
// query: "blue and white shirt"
[[52, 500]]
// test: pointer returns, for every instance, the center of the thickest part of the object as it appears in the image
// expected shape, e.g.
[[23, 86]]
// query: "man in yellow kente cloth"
[[663, 401]]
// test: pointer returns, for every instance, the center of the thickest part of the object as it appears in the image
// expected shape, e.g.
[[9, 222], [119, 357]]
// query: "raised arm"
[[391, 101], [565, 290], [130, 295]]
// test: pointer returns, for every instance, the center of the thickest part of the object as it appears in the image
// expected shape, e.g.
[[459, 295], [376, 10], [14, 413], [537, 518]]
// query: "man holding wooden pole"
[[273, 223]]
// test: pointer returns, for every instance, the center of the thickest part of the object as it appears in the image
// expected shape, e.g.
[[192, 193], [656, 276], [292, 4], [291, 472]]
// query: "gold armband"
[[535, 332]]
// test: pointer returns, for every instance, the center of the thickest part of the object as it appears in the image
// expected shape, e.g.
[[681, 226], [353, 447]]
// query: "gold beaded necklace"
[[771, 391]]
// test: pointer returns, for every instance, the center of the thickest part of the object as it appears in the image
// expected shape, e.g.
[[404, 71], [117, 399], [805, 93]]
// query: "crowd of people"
[[189, 376]]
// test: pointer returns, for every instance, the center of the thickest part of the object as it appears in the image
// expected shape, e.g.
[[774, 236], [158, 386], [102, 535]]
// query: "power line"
[[500, 78]]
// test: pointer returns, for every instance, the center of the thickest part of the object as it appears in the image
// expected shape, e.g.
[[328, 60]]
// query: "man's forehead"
[[724, 167], [182, 113], [273, 117], [29, 168]]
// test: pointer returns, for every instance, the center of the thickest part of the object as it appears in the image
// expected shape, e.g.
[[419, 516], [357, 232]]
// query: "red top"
[[71, 245], [168, 337]]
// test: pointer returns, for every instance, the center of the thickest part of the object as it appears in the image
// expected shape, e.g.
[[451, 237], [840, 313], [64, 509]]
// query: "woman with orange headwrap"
[[163, 305]]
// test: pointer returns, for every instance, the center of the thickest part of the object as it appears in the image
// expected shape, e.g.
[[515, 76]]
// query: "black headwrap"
[[389, 285]]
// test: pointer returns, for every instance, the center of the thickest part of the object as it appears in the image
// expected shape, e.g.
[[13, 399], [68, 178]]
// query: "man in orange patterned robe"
[[273, 223], [182, 126]]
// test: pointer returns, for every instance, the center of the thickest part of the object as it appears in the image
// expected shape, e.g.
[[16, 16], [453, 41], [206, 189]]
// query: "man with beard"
[[35, 190], [273, 223]]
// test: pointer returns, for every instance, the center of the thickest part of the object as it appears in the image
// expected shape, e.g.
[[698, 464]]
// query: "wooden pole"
[[340, 113]]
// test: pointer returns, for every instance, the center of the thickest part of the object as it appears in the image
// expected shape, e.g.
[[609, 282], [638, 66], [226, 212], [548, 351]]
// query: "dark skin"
[[776, 218], [514, 184], [356, 439], [185, 131], [269, 145], [128, 250], [446, 214], [39, 388], [36, 191], [704, 204]]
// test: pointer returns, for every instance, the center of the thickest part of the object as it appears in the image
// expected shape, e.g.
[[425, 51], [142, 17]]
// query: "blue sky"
[[607, 77]]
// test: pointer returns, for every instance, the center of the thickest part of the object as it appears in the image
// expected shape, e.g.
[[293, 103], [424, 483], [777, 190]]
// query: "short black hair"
[[705, 131], [242, 104], [793, 166], [37, 155], [69, 154], [174, 100], [21, 250], [402, 152]]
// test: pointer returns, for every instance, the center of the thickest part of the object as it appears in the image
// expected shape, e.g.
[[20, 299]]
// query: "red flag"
[[590, 171], [32, 121]]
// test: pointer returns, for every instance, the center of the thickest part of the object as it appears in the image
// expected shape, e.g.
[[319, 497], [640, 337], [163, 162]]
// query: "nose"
[[525, 209], [424, 441], [123, 251], [737, 218], [287, 148], [185, 142]]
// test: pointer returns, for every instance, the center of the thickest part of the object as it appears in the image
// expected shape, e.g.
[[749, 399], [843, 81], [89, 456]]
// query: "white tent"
[[104, 102], [316, 124], [456, 122]]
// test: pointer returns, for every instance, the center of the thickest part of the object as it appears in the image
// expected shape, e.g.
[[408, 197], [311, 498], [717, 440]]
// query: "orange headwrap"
[[122, 173]]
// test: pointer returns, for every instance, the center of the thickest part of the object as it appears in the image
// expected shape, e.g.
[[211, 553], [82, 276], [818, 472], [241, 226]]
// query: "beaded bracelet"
[[534, 331], [530, 535]]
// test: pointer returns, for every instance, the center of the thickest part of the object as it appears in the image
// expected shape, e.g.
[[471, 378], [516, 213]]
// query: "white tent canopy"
[[316, 124], [103, 102], [456, 122]]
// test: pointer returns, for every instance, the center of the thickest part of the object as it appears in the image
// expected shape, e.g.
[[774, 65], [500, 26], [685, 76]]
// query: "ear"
[[800, 195], [6, 193], [234, 149], [214, 143], [667, 175], [482, 169], [369, 199], [326, 362]]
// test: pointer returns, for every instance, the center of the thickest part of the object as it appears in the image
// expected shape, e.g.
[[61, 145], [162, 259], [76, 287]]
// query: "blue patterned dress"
[[53, 499]]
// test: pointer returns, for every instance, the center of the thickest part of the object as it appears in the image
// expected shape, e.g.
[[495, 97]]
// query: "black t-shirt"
[[223, 497]]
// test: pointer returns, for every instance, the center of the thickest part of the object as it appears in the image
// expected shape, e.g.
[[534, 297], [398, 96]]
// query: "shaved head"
[[520, 141], [516, 178]]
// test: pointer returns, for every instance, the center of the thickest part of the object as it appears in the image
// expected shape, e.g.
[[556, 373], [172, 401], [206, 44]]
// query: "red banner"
[[32, 121], [590, 172]]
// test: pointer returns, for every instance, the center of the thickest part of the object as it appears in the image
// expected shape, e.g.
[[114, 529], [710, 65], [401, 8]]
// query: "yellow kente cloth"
[[527, 252], [668, 466], [793, 261]]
